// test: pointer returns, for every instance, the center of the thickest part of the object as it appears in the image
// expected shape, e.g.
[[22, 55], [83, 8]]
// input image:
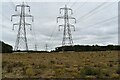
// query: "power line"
[[80, 6], [52, 40], [67, 2], [98, 11], [101, 22], [52, 36], [35, 39], [82, 17], [73, 4]]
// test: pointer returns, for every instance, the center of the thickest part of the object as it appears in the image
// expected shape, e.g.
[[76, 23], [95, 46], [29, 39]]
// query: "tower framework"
[[67, 36], [21, 41]]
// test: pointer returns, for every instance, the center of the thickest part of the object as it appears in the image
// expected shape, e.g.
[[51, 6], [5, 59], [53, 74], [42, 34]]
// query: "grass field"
[[98, 64]]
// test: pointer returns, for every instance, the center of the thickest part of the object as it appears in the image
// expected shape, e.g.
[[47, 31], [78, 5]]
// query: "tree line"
[[5, 48], [78, 48]]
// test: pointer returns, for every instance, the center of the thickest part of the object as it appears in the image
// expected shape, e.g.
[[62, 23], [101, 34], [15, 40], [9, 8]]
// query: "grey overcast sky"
[[97, 23]]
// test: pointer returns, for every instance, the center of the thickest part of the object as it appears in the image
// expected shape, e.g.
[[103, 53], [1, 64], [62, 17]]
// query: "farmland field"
[[97, 64]]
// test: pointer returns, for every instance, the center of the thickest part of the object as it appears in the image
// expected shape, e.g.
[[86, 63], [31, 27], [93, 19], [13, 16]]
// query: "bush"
[[118, 71], [9, 66], [52, 62], [115, 76], [89, 71], [4, 64], [29, 71], [18, 64], [40, 66]]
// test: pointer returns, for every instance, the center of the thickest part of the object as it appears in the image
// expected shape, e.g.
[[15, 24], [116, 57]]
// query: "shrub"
[[52, 62], [40, 66], [118, 71], [115, 76], [9, 69], [111, 65], [18, 64], [29, 71], [107, 75], [4, 64], [67, 65], [89, 71]]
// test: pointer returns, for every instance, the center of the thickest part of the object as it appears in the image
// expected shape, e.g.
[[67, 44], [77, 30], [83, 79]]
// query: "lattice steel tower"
[[21, 41], [67, 36]]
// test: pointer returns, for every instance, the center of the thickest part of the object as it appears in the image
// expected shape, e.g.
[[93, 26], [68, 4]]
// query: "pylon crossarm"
[[15, 16], [30, 16], [15, 25], [27, 15], [29, 25], [72, 18], [17, 7], [60, 26], [72, 26], [28, 7], [61, 9], [70, 10], [61, 17]]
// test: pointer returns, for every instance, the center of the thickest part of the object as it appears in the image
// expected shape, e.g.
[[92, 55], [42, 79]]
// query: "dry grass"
[[103, 64], [0, 66]]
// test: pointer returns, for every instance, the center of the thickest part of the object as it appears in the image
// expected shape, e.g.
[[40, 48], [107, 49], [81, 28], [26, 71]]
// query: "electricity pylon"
[[46, 47], [67, 36], [21, 36], [35, 47]]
